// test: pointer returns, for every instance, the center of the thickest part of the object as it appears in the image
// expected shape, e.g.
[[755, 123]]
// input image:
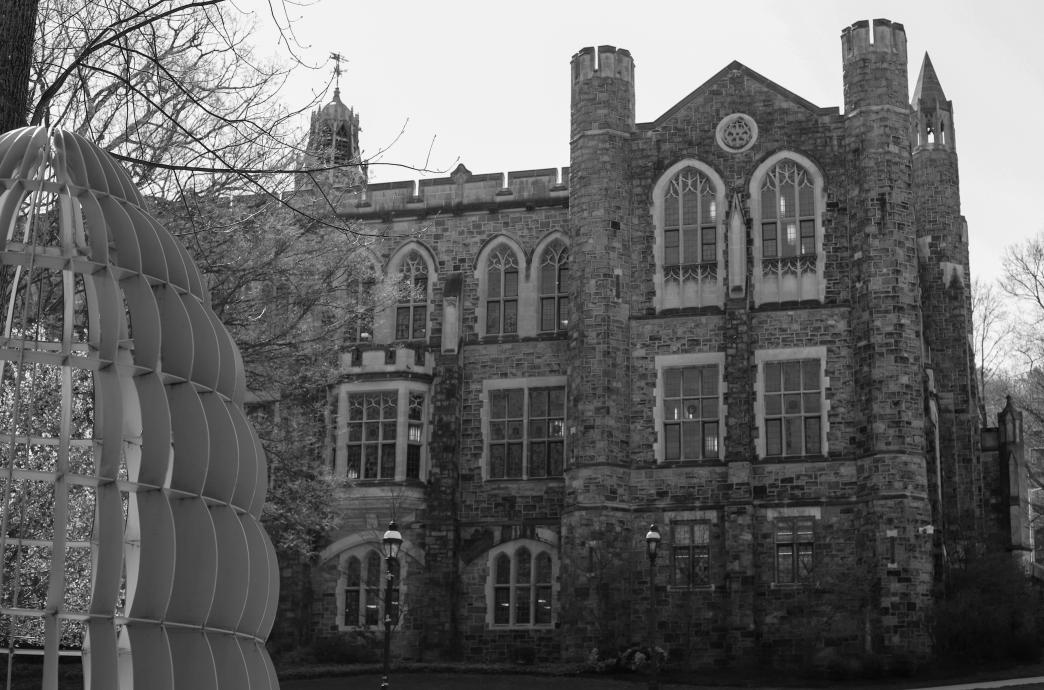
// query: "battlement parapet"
[[463, 190], [887, 37], [605, 61]]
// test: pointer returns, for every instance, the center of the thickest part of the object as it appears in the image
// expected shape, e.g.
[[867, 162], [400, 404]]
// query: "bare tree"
[[171, 87], [992, 332]]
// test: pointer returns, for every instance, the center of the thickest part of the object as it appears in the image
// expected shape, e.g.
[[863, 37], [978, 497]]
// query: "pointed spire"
[[928, 87]]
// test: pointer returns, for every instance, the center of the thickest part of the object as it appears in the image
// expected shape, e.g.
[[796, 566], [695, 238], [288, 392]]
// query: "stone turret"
[[886, 322], [933, 121], [942, 240], [600, 218], [874, 64]]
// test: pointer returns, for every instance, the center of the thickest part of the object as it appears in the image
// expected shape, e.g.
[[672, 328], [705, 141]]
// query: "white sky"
[[486, 83]]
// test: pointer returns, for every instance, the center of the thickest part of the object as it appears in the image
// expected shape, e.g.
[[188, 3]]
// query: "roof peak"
[[928, 86]]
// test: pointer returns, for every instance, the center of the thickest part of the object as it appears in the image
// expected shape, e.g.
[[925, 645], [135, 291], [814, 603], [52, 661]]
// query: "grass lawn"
[[450, 680]]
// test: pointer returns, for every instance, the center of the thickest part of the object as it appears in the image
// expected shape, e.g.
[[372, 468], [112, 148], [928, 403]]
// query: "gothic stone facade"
[[746, 321]]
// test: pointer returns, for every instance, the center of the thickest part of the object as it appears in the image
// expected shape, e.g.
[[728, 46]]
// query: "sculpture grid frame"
[[131, 481]]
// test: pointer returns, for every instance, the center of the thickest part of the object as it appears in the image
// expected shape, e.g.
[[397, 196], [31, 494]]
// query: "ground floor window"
[[690, 554], [521, 586], [364, 590], [795, 547]]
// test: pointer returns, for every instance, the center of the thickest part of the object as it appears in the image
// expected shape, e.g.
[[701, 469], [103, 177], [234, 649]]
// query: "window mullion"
[[402, 411], [525, 432]]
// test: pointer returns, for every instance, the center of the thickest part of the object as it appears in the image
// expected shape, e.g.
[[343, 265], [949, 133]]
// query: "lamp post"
[[652, 542], [391, 542]]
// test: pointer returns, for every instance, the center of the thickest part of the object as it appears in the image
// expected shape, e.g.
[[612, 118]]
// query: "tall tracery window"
[[788, 234], [411, 312], [522, 588], [364, 590], [690, 233], [554, 297], [360, 304], [502, 292], [689, 216]]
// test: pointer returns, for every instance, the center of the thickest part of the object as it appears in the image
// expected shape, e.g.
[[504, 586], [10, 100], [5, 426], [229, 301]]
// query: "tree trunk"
[[17, 33]]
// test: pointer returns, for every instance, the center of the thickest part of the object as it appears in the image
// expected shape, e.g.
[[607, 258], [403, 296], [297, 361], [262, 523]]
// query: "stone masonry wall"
[[868, 491]]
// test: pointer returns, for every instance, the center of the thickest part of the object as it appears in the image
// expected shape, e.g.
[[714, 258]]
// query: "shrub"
[[989, 613], [351, 648]]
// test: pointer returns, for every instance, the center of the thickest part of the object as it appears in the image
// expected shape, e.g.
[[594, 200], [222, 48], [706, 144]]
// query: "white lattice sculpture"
[[133, 480]]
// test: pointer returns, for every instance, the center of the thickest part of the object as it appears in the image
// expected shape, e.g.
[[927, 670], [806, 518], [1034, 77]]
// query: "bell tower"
[[333, 158], [942, 252]]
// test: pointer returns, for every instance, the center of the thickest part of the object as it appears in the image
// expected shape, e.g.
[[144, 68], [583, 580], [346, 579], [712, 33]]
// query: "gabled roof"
[[735, 65]]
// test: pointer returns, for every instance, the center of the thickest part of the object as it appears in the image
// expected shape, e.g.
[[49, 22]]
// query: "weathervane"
[[337, 57]]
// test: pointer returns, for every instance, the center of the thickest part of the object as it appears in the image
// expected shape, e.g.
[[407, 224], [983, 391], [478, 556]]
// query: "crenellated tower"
[[886, 339], [942, 238], [600, 219]]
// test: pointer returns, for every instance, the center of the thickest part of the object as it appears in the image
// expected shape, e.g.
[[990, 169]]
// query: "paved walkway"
[[1035, 683]]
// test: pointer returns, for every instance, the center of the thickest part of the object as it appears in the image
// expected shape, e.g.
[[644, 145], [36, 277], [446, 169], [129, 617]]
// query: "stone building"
[[746, 321]]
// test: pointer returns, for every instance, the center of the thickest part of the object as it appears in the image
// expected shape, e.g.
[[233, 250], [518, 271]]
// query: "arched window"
[[786, 191], [502, 292], [689, 210], [411, 312], [554, 297], [364, 590], [521, 591], [358, 327]]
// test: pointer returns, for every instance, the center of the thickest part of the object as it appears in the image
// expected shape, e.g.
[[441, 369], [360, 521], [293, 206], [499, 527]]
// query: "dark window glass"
[[526, 425], [690, 412], [793, 407]]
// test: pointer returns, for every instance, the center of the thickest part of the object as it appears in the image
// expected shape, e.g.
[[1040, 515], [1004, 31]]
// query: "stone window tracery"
[[554, 289], [520, 589], [786, 192], [411, 311], [502, 292], [363, 579], [736, 133], [689, 211], [360, 304]]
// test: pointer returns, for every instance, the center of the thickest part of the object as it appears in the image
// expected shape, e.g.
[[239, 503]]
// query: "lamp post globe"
[[652, 545], [392, 540], [652, 542], [390, 543]]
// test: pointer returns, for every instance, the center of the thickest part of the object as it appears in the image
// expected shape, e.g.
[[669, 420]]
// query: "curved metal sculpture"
[[131, 482]]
